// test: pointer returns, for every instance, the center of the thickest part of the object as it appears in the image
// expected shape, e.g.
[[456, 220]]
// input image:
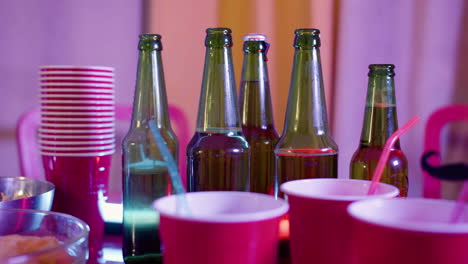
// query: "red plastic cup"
[[320, 228], [222, 227], [408, 231], [81, 186]]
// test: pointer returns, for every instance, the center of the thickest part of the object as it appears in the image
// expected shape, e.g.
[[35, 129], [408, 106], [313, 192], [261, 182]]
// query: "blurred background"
[[427, 40]]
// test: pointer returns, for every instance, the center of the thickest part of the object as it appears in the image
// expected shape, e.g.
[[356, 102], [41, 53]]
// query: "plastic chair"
[[434, 125], [28, 124]]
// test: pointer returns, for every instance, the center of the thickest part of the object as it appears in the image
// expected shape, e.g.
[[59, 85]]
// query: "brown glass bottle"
[[256, 114], [380, 121]]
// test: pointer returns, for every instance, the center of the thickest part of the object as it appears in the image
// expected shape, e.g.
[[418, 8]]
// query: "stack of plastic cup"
[[77, 140]]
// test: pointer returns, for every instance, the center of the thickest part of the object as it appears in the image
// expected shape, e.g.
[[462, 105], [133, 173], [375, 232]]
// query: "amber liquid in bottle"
[[216, 159], [366, 157], [262, 141], [307, 164]]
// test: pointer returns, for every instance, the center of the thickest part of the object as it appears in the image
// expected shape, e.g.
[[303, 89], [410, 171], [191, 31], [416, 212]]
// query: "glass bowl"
[[23, 232]]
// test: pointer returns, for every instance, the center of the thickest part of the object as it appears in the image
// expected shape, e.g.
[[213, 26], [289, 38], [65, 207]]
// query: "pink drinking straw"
[[462, 198], [386, 152]]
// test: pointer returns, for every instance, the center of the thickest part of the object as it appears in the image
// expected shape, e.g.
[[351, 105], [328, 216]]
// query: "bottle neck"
[[380, 118], [306, 111], [256, 108], [150, 102], [217, 111]]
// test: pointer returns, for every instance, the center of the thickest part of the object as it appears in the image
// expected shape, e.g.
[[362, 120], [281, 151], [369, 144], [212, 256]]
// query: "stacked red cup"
[[77, 140]]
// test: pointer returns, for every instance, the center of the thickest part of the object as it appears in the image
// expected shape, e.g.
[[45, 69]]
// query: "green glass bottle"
[[218, 154], [380, 121], [257, 115], [306, 148], [145, 174]]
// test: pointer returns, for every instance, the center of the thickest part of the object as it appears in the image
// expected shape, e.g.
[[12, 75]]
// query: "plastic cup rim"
[[261, 215], [78, 67], [97, 108], [79, 72], [94, 85], [97, 142], [103, 147], [103, 96], [77, 131], [83, 154], [419, 226], [77, 126], [86, 102], [80, 119], [52, 113], [286, 188], [97, 79], [101, 137]]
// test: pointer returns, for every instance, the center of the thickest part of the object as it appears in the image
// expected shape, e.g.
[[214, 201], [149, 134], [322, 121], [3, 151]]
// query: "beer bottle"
[[380, 121], [256, 114], [306, 149], [145, 174], [218, 154]]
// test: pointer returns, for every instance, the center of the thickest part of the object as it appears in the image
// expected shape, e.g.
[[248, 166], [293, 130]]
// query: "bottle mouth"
[[150, 42], [382, 69], [148, 36], [307, 31], [307, 38], [219, 30], [218, 37]]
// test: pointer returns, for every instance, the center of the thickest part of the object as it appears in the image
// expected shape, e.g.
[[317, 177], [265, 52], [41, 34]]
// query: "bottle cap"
[[255, 37]]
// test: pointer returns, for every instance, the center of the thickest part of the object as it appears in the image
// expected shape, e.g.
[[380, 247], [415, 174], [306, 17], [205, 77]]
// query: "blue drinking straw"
[[172, 168]]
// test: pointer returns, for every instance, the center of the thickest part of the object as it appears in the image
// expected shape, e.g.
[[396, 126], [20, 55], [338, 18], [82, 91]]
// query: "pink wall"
[[35, 33]]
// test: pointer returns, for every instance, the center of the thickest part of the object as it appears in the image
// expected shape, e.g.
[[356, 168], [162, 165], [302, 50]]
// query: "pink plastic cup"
[[222, 227], [81, 185], [408, 231], [320, 228]]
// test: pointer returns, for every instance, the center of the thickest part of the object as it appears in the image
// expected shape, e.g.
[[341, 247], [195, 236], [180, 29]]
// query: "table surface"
[[112, 250]]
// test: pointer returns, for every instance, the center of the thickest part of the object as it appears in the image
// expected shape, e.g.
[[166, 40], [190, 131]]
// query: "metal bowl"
[[35, 194]]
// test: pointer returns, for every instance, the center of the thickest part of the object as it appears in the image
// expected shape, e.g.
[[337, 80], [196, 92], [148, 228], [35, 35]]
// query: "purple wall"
[[85, 32]]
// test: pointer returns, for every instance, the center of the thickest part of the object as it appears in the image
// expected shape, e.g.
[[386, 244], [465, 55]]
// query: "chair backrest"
[[27, 141], [437, 120]]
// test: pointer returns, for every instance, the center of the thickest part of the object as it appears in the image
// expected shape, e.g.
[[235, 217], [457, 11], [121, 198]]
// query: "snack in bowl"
[[42, 237]]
